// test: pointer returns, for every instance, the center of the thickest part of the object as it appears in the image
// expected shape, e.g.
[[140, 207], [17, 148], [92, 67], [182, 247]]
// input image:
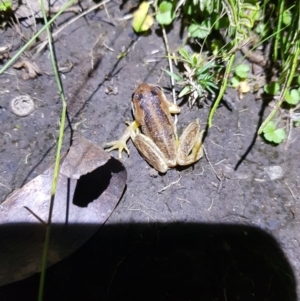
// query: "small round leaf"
[[242, 70], [235, 82], [287, 18], [272, 88], [292, 97], [165, 14], [200, 31]]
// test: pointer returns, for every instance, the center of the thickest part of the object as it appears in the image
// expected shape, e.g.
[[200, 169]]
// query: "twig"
[[205, 152], [212, 202], [200, 174], [294, 197], [168, 186], [143, 205], [36, 216], [171, 69]]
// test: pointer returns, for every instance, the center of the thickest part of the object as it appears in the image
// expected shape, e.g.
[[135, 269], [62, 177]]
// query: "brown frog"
[[154, 134]]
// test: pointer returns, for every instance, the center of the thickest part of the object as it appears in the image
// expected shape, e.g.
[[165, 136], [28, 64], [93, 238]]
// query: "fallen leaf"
[[83, 157], [111, 90], [243, 88], [31, 69], [141, 20], [5, 52], [80, 208]]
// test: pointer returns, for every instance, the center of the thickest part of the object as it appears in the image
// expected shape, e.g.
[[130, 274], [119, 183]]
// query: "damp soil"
[[221, 229]]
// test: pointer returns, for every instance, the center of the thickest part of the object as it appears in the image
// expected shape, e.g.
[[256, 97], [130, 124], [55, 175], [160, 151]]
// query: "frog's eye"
[[138, 96], [154, 91]]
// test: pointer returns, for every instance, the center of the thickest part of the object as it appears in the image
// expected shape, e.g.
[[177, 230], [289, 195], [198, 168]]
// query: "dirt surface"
[[222, 229]]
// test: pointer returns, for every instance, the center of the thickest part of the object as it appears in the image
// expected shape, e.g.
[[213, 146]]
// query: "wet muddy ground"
[[222, 229]]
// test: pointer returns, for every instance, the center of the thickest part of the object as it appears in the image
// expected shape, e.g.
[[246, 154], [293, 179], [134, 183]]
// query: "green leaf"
[[272, 134], [215, 47], [256, 14], [204, 69], [287, 18], [292, 97], [185, 54], [279, 135], [5, 5], [141, 20], [195, 59], [219, 23], [165, 14], [235, 82], [209, 87], [242, 71], [188, 8], [260, 28], [175, 76], [269, 128], [200, 31], [184, 91], [246, 21], [211, 84], [272, 88]]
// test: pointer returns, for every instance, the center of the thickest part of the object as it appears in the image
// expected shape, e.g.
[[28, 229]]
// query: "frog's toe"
[[119, 145]]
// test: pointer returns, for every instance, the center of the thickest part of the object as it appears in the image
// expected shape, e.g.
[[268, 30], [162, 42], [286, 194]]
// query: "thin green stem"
[[233, 8], [285, 88], [57, 159], [16, 56], [222, 90], [279, 23]]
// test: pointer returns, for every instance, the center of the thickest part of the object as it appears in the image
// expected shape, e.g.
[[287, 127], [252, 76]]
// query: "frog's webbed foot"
[[117, 144], [121, 143]]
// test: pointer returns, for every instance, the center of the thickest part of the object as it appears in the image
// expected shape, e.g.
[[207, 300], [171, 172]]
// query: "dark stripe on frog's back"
[[157, 124]]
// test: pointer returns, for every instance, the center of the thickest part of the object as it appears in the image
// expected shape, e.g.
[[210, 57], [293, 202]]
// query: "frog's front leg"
[[121, 143], [189, 148]]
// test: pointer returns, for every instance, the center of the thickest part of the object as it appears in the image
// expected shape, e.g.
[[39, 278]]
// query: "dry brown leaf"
[[83, 157], [111, 90], [80, 208], [31, 68], [5, 52]]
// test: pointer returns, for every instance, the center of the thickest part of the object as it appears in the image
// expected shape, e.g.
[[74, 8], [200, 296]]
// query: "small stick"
[[217, 175], [168, 186], [171, 68]]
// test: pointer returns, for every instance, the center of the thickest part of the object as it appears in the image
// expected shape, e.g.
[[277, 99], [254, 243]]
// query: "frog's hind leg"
[[151, 153], [190, 144]]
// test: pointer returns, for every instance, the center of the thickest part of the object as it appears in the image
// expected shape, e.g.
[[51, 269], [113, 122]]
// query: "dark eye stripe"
[[155, 91]]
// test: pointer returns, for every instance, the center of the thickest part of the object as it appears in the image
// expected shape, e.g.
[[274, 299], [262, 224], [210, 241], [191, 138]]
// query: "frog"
[[154, 134]]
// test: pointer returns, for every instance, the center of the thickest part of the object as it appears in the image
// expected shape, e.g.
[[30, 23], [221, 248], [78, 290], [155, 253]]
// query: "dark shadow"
[[90, 186], [176, 261]]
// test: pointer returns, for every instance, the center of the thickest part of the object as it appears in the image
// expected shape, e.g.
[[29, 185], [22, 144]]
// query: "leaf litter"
[[89, 187]]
